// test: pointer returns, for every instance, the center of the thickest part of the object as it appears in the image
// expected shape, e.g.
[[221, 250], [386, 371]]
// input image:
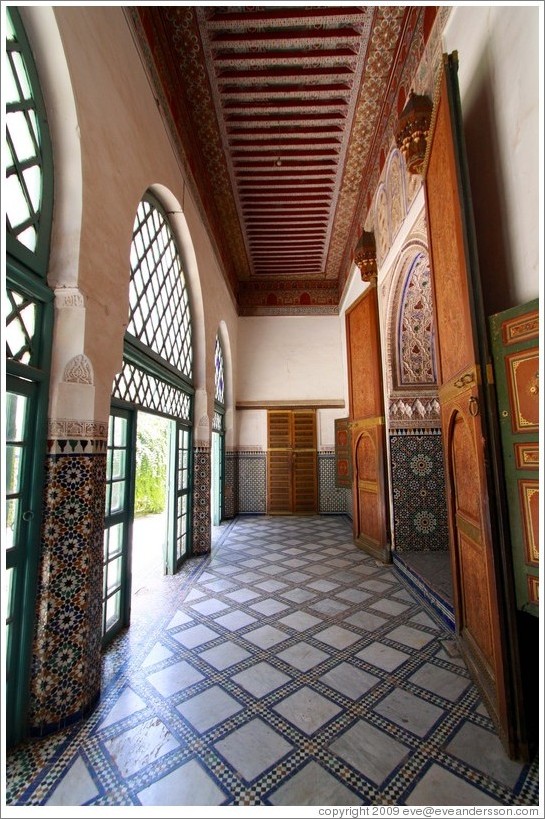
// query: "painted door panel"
[[515, 346]]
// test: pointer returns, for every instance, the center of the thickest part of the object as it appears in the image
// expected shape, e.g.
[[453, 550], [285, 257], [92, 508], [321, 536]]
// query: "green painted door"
[[515, 349], [21, 551], [179, 497], [119, 513]]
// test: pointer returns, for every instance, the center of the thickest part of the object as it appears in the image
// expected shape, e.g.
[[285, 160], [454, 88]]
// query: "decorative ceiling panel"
[[280, 114]]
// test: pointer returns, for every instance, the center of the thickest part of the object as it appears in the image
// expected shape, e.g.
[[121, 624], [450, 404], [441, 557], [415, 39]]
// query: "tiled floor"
[[286, 669]]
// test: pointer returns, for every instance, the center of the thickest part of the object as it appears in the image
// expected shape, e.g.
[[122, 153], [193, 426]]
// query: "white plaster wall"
[[289, 358], [499, 74], [252, 429]]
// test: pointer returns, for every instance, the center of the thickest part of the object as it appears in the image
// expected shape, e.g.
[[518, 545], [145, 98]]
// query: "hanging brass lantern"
[[412, 131], [365, 256]]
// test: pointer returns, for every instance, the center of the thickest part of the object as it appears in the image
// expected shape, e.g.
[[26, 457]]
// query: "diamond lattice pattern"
[[159, 304]]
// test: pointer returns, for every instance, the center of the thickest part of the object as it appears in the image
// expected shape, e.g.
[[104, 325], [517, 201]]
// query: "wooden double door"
[[480, 558], [292, 480]]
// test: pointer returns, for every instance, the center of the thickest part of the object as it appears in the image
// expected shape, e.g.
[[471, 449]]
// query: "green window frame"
[[28, 325]]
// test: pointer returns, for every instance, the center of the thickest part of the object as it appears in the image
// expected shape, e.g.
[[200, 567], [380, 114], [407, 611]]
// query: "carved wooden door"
[[292, 462], [370, 522], [480, 594]]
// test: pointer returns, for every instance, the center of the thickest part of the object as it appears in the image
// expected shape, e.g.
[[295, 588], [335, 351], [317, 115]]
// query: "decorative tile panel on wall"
[[66, 661], [252, 482], [418, 489], [230, 484], [202, 532], [330, 498]]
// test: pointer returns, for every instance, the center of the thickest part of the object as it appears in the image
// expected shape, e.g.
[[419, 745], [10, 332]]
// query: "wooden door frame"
[[508, 717]]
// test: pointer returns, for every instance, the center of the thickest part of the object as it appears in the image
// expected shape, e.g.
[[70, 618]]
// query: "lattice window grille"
[[23, 190], [219, 373], [217, 422], [21, 317], [137, 387], [159, 310], [416, 357]]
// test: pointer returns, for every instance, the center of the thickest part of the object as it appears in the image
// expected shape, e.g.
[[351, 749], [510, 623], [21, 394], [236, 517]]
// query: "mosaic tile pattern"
[[252, 483], [65, 674], [285, 668], [201, 500], [418, 489], [330, 498], [230, 502]]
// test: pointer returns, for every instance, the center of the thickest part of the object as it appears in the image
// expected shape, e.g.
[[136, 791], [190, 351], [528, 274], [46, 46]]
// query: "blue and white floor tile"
[[287, 668]]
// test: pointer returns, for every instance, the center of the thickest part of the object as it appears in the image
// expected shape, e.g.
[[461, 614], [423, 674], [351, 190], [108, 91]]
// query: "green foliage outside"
[[151, 464]]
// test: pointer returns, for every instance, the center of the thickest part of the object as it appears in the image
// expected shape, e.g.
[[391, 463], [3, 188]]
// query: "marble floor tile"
[[299, 621], [225, 655], [261, 679], [209, 606], [313, 785], [209, 708], [189, 784], [175, 678], [442, 682], [307, 710], [268, 607], [409, 711], [195, 636], [235, 620], [365, 620], [351, 681], [382, 656], [293, 669], [337, 637], [409, 636], [137, 747], [302, 656], [370, 751], [127, 704], [253, 748], [75, 788], [441, 787], [483, 750], [266, 636]]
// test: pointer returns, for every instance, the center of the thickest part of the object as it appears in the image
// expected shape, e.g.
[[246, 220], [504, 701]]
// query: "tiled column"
[[332, 499], [418, 490], [252, 482], [202, 533], [66, 662], [230, 500]]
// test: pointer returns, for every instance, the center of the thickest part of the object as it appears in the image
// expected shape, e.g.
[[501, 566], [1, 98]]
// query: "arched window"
[[219, 378], [156, 378], [159, 315], [158, 353], [218, 437], [28, 310]]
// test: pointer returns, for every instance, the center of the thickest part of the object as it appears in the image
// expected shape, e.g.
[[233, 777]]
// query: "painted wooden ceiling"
[[283, 116]]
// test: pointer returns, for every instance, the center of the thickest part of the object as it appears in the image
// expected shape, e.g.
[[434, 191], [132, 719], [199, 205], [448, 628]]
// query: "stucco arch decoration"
[[411, 385], [79, 370]]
